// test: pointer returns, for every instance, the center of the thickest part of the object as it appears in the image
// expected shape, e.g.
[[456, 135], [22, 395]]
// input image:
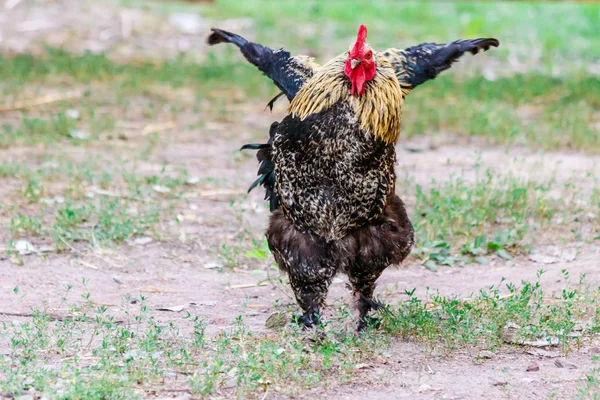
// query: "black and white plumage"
[[414, 66], [328, 167]]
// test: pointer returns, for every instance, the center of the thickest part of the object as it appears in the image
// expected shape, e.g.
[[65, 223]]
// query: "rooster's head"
[[360, 65]]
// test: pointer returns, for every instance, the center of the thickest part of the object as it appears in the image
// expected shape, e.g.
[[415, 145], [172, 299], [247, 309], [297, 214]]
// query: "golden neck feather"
[[377, 110]]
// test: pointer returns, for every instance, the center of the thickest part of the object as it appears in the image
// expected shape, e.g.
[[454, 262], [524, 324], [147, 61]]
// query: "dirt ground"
[[173, 272]]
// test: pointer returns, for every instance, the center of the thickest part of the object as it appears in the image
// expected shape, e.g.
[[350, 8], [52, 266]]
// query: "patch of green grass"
[[460, 221], [245, 247], [549, 28], [91, 354], [35, 130], [23, 224], [494, 319], [591, 388], [88, 202], [86, 68], [109, 220], [97, 223], [533, 109], [548, 102], [563, 110], [115, 93]]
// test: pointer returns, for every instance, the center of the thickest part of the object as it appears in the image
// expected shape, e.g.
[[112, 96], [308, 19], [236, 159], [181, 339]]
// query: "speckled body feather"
[[334, 153], [334, 160], [328, 167]]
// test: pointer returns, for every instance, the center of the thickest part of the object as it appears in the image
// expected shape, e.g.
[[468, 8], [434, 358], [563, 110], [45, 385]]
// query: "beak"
[[354, 62]]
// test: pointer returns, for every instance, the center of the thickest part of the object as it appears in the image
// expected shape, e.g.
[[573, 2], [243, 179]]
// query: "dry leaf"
[[276, 321], [562, 363], [248, 285], [259, 306], [154, 289], [178, 308]]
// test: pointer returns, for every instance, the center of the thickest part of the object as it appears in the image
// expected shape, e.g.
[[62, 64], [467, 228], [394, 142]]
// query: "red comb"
[[360, 40]]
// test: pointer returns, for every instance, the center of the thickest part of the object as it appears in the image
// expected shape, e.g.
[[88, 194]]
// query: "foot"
[[368, 321], [363, 305], [307, 320], [371, 304]]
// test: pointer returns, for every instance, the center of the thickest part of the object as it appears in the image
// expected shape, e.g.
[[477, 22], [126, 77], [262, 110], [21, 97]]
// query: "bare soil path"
[[172, 273]]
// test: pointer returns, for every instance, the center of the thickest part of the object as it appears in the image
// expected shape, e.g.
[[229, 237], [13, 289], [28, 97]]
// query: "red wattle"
[[358, 78]]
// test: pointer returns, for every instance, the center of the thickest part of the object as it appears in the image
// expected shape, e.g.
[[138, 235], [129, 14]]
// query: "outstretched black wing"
[[418, 64], [289, 73], [266, 168]]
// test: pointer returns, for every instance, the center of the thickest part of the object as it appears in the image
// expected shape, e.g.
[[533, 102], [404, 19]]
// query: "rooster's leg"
[[363, 286], [310, 287]]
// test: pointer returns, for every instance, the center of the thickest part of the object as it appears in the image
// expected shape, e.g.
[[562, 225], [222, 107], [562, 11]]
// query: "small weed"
[[458, 222], [591, 388], [139, 352], [23, 224]]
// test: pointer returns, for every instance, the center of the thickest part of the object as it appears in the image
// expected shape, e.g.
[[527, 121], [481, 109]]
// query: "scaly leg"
[[310, 287], [363, 286]]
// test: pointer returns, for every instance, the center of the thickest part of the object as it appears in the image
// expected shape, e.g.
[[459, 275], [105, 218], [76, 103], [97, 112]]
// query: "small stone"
[[230, 383], [81, 135], [52, 200], [533, 367], [486, 354], [543, 258], [46, 249], [144, 240], [431, 265], [569, 255], [542, 342], [427, 388], [482, 260], [544, 353], [553, 254], [509, 333], [212, 265], [50, 164], [24, 247], [178, 308], [192, 181], [161, 189], [72, 113]]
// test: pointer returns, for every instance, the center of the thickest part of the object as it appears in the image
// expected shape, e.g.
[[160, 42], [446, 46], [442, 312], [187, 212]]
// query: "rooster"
[[328, 167]]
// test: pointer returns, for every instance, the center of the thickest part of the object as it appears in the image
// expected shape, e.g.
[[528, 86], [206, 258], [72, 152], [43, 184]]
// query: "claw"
[[364, 305], [368, 322], [307, 320]]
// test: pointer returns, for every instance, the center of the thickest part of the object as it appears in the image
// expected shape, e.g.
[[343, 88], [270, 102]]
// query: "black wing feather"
[[418, 64], [287, 72]]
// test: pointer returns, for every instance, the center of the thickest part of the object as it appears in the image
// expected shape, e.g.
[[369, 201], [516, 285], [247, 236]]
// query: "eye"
[[369, 55]]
